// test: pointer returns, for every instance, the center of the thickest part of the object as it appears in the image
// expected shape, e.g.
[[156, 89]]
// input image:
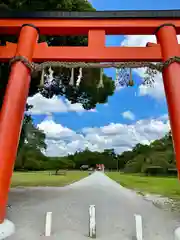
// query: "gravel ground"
[[115, 209]]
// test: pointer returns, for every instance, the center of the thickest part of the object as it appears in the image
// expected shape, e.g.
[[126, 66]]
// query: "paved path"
[[115, 209]]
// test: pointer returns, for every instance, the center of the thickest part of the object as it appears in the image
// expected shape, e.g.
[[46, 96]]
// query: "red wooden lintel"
[[95, 52], [138, 26]]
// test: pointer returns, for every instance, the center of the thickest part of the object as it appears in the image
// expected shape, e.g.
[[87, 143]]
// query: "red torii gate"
[[164, 24]]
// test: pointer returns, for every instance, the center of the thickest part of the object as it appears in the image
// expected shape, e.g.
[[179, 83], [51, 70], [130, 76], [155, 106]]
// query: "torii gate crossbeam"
[[164, 24]]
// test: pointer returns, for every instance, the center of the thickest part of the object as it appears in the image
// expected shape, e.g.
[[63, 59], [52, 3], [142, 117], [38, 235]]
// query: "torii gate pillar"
[[166, 36], [12, 111]]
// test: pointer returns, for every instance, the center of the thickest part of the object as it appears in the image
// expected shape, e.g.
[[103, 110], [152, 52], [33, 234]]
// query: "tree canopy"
[[157, 157], [31, 144]]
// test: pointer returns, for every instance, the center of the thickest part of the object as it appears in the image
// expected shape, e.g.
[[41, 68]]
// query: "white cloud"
[[54, 130], [62, 140], [157, 91], [164, 117], [128, 115], [76, 107], [42, 105]]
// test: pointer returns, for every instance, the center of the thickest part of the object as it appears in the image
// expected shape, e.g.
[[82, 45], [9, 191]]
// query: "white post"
[[102, 167], [177, 234], [7, 228], [139, 233], [48, 224], [92, 221]]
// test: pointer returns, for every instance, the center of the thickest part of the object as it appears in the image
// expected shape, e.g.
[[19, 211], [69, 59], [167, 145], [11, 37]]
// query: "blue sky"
[[140, 105], [135, 5]]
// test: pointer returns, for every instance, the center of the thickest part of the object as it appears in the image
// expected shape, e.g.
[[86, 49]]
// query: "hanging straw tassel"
[[79, 77], [101, 85], [60, 81], [50, 73], [131, 82], [42, 78], [71, 82], [117, 77]]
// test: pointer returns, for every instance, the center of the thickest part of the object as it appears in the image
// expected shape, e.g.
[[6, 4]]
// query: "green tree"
[[31, 144], [124, 157], [135, 165], [156, 158]]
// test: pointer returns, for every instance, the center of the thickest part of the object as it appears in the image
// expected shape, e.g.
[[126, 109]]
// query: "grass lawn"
[[169, 187], [33, 179], [164, 186]]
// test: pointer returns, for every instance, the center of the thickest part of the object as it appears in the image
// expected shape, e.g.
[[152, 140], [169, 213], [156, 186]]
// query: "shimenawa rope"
[[40, 67]]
